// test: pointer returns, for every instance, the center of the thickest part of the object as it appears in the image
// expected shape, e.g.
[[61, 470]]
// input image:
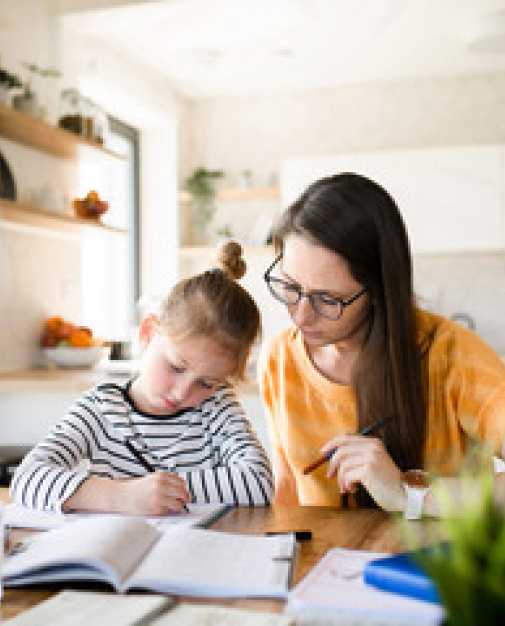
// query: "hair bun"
[[230, 260]]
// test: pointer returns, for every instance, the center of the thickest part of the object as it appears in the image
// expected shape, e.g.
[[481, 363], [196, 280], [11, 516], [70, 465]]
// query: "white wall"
[[258, 133], [47, 280]]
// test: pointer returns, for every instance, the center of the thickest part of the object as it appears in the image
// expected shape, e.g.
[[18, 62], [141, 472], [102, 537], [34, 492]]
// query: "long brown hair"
[[355, 217], [214, 304]]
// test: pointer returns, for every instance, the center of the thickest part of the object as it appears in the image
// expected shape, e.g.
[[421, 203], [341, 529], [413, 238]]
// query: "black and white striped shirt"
[[211, 446]]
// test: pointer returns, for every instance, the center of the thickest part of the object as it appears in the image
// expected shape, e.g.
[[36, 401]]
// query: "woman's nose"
[[303, 312]]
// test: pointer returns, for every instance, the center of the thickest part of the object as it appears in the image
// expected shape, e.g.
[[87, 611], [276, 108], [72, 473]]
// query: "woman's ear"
[[147, 329]]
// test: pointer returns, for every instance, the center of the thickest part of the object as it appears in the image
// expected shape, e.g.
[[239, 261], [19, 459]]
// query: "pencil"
[[144, 462], [327, 456]]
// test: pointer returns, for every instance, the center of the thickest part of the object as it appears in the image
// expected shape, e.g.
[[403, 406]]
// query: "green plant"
[[470, 574], [48, 72], [225, 232], [9, 80], [201, 185]]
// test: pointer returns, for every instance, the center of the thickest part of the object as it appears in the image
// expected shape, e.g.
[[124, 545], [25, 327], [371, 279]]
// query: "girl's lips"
[[169, 403]]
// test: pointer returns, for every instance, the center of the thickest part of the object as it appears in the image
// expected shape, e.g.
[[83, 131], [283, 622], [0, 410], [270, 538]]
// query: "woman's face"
[[311, 267]]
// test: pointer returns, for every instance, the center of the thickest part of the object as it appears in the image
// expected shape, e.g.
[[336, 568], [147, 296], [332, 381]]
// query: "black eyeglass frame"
[[311, 295]]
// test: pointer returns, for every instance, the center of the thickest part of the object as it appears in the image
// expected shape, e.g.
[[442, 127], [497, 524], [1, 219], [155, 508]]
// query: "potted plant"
[[201, 185], [468, 567], [8, 81], [27, 100]]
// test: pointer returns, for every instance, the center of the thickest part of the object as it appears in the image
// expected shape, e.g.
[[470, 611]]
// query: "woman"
[[360, 351]]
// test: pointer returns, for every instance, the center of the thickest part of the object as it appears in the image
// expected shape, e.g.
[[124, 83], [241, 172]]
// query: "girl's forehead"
[[204, 354]]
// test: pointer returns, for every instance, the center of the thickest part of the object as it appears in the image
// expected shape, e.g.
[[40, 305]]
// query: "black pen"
[[327, 456], [143, 461]]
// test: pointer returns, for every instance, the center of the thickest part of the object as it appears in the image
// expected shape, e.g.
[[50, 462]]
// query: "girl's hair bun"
[[230, 260]]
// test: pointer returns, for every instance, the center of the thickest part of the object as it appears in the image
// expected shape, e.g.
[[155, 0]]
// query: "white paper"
[[17, 516], [336, 584]]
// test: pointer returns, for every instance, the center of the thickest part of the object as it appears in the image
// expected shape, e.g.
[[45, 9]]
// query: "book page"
[[97, 548], [202, 562]]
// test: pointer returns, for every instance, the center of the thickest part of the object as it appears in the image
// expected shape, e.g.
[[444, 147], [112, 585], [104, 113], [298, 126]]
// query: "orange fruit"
[[79, 339], [53, 324]]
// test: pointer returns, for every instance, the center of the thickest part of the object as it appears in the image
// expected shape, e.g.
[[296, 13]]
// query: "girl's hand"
[[154, 494], [364, 460]]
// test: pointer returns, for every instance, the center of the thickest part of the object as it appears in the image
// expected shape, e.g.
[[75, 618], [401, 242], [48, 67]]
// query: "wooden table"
[[360, 529]]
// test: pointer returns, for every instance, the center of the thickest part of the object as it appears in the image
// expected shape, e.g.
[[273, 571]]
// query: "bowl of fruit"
[[69, 346], [91, 207]]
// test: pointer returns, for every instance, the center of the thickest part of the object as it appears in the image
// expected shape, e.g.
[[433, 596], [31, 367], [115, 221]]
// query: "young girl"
[[176, 433]]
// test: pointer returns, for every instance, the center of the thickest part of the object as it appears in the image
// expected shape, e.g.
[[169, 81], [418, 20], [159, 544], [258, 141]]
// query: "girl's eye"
[[206, 385], [176, 369]]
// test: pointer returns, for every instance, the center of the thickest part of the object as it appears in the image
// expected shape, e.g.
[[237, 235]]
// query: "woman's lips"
[[312, 334]]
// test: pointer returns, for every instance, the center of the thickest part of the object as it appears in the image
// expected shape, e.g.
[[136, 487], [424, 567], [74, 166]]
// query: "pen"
[[327, 456], [144, 462]]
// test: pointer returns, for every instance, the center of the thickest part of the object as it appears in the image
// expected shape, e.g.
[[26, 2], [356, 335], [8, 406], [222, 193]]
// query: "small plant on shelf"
[[8, 81], [201, 185], [27, 100]]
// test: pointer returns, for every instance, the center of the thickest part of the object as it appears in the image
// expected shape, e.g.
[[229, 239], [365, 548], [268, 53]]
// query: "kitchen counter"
[[78, 381], [58, 380], [33, 400]]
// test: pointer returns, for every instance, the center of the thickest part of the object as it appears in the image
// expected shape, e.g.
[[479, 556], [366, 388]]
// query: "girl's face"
[[311, 267], [178, 374]]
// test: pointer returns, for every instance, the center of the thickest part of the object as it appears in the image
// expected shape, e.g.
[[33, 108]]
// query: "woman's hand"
[[364, 460], [155, 494]]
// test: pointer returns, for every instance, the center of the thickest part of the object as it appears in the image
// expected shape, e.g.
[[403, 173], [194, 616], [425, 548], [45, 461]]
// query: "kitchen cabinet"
[[31, 132]]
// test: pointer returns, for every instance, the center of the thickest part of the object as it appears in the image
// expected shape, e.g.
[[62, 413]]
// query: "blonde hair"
[[214, 304]]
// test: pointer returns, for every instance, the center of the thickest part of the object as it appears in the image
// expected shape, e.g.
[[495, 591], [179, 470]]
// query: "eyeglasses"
[[322, 302]]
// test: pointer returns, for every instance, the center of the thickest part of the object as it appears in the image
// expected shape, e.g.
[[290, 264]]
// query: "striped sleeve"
[[242, 475], [49, 474]]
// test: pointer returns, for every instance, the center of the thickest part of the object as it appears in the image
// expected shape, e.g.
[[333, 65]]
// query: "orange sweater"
[[304, 409]]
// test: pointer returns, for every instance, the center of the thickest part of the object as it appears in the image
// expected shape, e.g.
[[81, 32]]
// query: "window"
[[110, 260]]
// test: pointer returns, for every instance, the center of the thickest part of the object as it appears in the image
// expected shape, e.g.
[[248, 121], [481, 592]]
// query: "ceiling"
[[216, 48]]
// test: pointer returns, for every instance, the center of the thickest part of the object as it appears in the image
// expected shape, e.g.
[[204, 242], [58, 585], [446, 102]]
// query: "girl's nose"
[[181, 389]]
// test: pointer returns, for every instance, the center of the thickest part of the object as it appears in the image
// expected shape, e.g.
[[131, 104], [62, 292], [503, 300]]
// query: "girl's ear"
[[147, 329]]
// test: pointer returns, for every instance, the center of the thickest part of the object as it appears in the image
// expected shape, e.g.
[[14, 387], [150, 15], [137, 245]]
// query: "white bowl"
[[75, 358]]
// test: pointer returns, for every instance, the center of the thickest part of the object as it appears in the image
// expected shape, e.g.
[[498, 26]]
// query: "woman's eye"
[[326, 298]]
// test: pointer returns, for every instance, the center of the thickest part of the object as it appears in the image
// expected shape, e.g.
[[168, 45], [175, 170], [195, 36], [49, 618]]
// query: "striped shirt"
[[211, 446]]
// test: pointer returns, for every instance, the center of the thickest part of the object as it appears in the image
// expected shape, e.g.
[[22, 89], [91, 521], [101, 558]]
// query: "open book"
[[130, 553]]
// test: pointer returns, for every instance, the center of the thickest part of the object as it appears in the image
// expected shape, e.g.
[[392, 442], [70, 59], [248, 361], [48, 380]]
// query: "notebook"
[[335, 587], [81, 608], [130, 553], [402, 575]]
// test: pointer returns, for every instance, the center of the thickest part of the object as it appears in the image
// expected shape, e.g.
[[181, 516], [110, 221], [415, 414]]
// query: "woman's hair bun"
[[230, 260]]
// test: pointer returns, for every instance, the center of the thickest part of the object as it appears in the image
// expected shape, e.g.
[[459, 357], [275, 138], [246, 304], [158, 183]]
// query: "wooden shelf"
[[34, 133], [240, 194], [190, 252], [27, 215]]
